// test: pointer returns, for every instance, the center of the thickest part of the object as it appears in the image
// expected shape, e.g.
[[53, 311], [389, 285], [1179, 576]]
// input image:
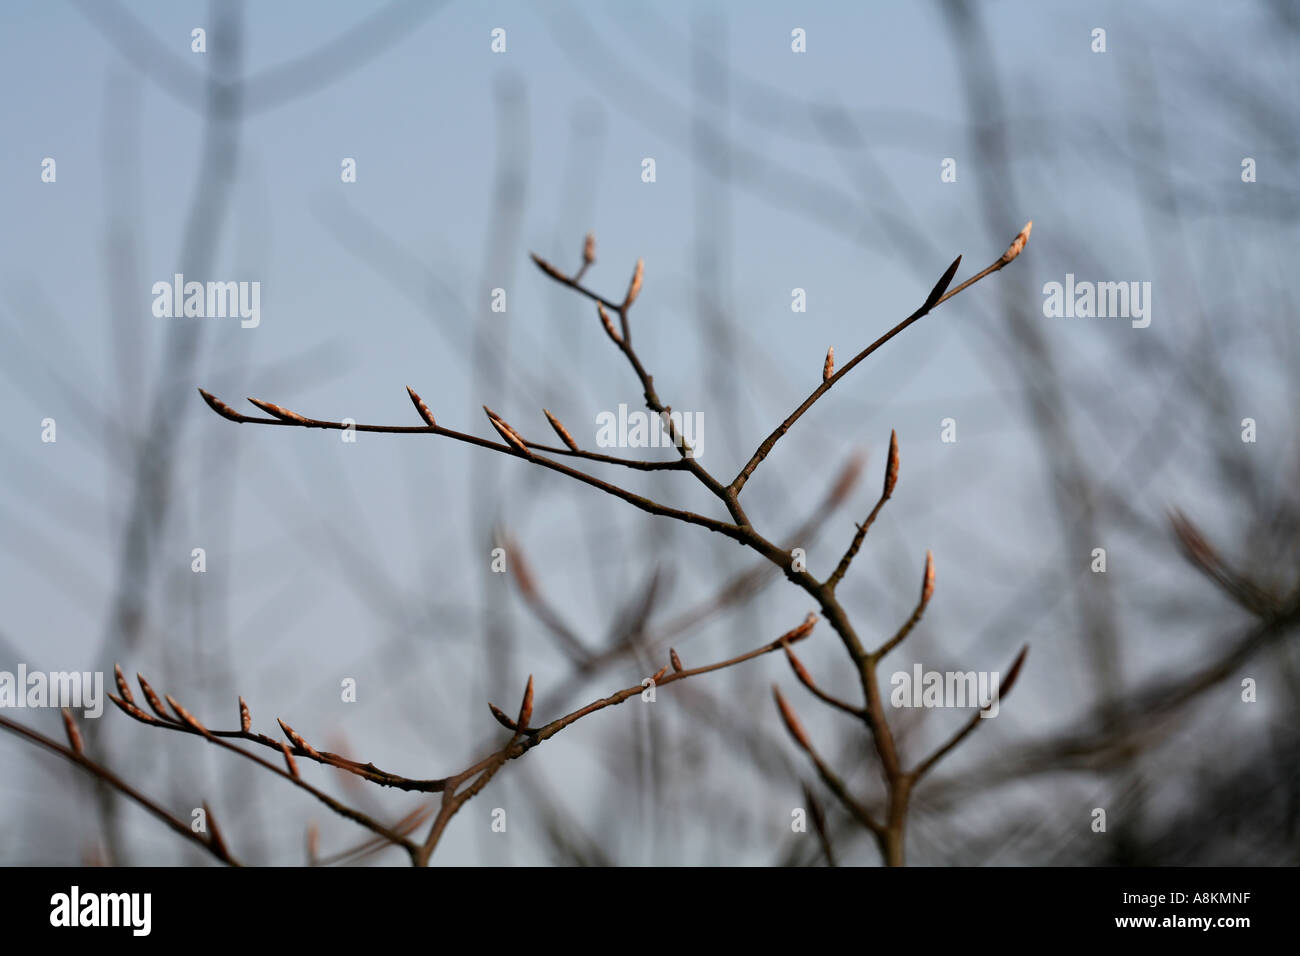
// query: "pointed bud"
[[796, 665], [422, 408], [186, 717], [501, 717], [589, 249], [608, 324], [297, 740], [677, 661], [131, 710], [927, 583], [123, 687], [155, 704], [509, 434], [561, 431], [634, 287], [891, 466], [828, 369], [245, 716], [549, 269], [526, 708], [74, 735], [791, 721], [220, 407], [288, 759], [941, 286], [659, 674], [281, 413]]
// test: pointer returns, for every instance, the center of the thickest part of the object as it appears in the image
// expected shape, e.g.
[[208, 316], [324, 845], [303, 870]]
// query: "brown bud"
[[927, 583], [74, 735], [634, 287], [509, 434], [891, 466], [677, 661], [608, 324], [422, 408], [526, 708], [828, 369], [798, 633], [549, 269], [123, 687], [501, 717], [288, 758], [1018, 243], [281, 413], [131, 710], [561, 431], [245, 716], [797, 665], [659, 674], [220, 407], [297, 740], [791, 721], [589, 249], [186, 717], [155, 704]]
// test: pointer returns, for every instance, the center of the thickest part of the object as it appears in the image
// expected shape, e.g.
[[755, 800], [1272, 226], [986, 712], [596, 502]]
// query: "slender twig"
[[937, 296], [216, 847]]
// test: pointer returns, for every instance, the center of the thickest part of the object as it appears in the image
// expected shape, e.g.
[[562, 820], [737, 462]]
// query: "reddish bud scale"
[[297, 739], [549, 269], [634, 287], [220, 407], [509, 434], [561, 431], [74, 735], [791, 721], [891, 467], [277, 411], [422, 408], [501, 717], [131, 709], [123, 687], [526, 708], [288, 759], [186, 717], [1018, 244], [155, 704]]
